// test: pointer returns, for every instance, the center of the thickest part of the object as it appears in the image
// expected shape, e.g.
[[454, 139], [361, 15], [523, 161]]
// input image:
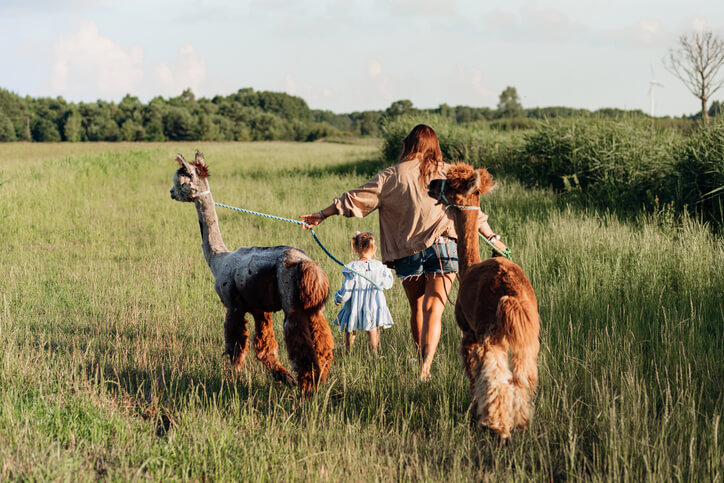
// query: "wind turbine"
[[653, 83]]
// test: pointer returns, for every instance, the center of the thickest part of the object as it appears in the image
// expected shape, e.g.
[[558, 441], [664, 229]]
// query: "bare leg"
[[236, 334], [374, 340], [437, 288], [415, 291], [349, 340], [266, 346]]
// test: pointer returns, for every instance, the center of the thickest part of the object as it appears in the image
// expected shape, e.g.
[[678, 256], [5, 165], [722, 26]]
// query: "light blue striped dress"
[[365, 307]]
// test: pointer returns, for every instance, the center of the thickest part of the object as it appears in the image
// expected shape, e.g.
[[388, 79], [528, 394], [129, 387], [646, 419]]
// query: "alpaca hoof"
[[504, 440], [284, 377]]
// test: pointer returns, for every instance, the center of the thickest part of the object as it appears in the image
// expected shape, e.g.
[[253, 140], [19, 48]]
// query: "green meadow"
[[111, 333]]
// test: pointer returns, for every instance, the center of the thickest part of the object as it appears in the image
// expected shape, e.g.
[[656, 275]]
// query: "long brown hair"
[[422, 143]]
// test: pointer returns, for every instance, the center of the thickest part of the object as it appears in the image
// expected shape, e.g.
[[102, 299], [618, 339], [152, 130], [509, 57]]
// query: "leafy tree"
[[716, 108], [73, 127], [129, 108], [696, 62], [44, 130], [369, 124], [179, 124], [399, 108], [153, 119], [268, 127], [509, 103], [98, 124], [7, 130], [132, 131]]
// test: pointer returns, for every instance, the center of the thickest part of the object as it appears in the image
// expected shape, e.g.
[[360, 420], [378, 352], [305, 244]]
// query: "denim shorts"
[[441, 257]]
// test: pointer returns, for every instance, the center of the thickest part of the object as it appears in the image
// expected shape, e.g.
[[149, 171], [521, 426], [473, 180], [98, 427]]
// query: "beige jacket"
[[410, 220]]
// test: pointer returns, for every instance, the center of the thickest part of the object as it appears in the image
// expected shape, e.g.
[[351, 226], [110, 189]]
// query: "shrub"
[[472, 143], [611, 163], [699, 169]]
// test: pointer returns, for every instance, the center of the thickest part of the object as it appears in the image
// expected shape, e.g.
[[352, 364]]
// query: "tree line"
[[246, 115]]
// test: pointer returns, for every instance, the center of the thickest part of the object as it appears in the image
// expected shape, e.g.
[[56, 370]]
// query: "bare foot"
[[425, 372]]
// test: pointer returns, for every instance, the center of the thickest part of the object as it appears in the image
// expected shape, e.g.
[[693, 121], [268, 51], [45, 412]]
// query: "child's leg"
[[349, 340], [374, 340]]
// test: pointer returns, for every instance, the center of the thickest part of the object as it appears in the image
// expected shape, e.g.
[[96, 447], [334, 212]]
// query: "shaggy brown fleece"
[[496, 310]]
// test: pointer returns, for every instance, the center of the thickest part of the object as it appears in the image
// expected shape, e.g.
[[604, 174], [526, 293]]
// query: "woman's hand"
[[312, 220]]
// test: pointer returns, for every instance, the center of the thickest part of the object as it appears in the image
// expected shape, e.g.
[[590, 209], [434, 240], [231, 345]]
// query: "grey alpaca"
[[260, 281]]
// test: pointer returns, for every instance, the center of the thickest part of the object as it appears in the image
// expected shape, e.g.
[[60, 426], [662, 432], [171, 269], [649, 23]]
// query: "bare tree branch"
[[696, 62]]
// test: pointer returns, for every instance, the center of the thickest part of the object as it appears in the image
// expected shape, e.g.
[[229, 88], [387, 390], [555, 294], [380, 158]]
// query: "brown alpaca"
[[496, 310], [260, 281]]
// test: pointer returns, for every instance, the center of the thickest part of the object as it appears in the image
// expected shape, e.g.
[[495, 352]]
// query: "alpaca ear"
[[200, 164], [199, 159], [486, 181], [184, 164], [471, 184]]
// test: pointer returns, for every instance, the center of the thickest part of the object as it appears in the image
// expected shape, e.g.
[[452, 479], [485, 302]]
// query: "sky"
[[354, 55]]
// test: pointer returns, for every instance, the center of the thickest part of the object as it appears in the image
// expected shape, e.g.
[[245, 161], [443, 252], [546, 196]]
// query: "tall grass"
[[111, 334]]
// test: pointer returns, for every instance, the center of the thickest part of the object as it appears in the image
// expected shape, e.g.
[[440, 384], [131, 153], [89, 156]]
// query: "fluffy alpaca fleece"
[[260, 281], [496, 310]]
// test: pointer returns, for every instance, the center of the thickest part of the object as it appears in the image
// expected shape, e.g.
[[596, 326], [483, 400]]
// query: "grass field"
[[111, 334]]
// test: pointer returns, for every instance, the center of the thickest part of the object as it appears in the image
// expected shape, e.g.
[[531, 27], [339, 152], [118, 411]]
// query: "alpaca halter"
[[441, 198], [198, 195]]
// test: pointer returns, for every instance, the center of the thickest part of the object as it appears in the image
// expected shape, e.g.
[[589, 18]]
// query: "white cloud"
[[432, 8], [700, 24], [188, 70], [467, 85], [374, 68], [86, 62], [485, 92], [379, 80], [643, 33], [501, 18], [546, 16], [314, 95]]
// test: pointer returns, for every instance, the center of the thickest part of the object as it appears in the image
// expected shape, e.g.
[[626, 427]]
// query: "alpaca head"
[[190, 179], [463, 186]]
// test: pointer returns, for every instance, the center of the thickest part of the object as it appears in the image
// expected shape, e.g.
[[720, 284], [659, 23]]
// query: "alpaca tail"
[[520, 325], [493, 395], [313, 285]]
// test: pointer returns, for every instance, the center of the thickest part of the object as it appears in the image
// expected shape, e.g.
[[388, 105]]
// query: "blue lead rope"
[[310, 229]]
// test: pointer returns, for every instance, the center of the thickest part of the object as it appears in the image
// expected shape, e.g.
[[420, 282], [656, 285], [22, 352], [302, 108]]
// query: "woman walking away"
[[365, 307], [417, 236]]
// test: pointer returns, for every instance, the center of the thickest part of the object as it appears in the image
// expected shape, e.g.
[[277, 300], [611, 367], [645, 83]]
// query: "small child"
[[365, 307]]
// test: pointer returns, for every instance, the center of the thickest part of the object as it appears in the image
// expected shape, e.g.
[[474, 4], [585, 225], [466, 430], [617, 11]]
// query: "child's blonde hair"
[[363, 242]]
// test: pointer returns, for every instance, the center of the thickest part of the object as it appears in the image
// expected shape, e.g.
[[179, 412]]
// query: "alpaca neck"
[[211, 241], [466, 226]]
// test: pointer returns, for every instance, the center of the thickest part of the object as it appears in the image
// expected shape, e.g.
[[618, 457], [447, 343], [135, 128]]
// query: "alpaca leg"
[[236, 334], [300, 347], [265, 346], [493, 390], [468, 347], [323, 343], [524, 363]]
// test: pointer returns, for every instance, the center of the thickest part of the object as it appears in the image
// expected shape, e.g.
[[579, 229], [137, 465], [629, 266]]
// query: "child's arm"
[[387, 278], [345, 293]]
